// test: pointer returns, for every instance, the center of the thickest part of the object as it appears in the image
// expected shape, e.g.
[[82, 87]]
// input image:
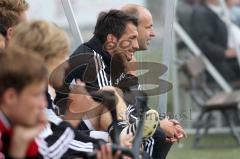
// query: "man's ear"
[[10, 97], [110, 43], [111, 38], [9, 33]]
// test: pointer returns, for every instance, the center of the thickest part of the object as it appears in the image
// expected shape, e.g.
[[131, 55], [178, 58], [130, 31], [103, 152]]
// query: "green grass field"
[[184, 149]]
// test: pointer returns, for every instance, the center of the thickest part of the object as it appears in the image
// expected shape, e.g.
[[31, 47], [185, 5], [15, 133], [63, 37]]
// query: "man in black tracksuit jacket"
[[95, 70]]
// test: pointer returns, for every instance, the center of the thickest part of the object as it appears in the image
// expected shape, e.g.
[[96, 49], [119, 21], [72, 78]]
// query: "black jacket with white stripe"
[[96, 68], [96, 73], [60, 140], [90, 64], [93, 65]]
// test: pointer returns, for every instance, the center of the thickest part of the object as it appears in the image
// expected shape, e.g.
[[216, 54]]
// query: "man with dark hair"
[[112, 26], [113, 22], [115, 35]]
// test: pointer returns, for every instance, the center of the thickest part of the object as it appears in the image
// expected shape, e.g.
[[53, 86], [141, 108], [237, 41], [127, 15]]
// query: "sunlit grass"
[[184, 149]]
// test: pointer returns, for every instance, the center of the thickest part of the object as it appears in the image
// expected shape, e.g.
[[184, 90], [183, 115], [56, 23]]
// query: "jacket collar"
[[98, 46]]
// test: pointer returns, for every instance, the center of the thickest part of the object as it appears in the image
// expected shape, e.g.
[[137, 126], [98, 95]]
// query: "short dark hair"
[[3, 31], [112, 22]]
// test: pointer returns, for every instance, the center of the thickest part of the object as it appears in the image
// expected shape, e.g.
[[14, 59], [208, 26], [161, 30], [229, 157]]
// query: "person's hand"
[[132, 69], [22, 136], [105, 152], [120, 103], [118, 92], [26, 134], [168, 127], [230, 53], [126, 140], [180, 133], [81, 102]]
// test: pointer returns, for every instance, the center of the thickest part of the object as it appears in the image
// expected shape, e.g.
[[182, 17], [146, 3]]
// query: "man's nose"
[[135, 45], [152, 33]]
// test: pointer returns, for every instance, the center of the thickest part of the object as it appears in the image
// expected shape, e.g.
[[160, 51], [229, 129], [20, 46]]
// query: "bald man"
[[159, 146], [145, 24]]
